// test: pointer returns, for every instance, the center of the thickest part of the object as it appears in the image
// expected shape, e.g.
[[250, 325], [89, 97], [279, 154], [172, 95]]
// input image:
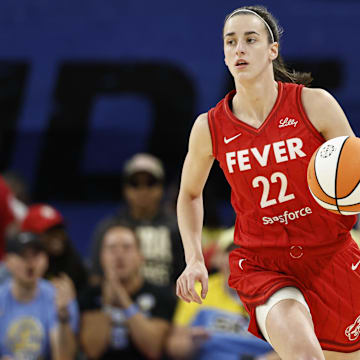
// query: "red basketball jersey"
[[266, 169]]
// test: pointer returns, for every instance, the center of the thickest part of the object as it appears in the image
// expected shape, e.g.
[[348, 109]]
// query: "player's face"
[[28, 267], [247, 51], [120, 253]]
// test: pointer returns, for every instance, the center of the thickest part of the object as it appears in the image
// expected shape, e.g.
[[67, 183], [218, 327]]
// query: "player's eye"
[[230, 42]]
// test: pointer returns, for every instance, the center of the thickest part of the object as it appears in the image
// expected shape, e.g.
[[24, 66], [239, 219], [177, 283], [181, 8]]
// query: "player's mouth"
[[241, 64]]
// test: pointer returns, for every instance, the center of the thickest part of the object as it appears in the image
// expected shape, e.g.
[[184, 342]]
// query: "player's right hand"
[[185, 285]]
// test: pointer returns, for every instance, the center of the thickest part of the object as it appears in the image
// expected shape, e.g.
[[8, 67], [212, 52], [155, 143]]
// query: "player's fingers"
[[185, 291], [190, 283], [181, 290], [178, 289], [204, 286]]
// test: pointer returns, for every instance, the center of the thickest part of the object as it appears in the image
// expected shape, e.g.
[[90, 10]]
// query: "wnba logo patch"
[[353, 330]]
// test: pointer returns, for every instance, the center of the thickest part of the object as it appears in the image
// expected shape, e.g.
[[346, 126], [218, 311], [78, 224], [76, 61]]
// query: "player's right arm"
[[190, 212]]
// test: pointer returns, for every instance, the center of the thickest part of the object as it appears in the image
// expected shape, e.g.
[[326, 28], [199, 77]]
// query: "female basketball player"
[[297, 269]]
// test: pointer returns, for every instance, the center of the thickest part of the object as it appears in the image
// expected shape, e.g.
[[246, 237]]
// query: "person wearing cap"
[[161, 246], [217, 329], [48, 223], [38, 319]]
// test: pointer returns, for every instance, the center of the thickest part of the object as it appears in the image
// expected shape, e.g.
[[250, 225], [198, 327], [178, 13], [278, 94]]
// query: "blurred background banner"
[[85, 84]]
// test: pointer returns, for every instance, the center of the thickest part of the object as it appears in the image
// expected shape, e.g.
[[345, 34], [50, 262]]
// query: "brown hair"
[[281, 72], [124, 225]]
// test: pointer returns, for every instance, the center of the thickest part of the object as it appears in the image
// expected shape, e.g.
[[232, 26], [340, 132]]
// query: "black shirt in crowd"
[[154, 301], [160, 241]]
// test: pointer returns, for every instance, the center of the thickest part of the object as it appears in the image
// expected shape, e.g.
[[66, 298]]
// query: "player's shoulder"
[[318, 104], [201, 124], [316, 97], [202, 119], [325, 113], [200, 142]]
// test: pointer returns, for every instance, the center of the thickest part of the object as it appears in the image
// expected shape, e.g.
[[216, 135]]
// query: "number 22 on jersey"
[[282, 197]]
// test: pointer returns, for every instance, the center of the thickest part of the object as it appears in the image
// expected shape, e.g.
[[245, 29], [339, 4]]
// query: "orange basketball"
[[333, 175]]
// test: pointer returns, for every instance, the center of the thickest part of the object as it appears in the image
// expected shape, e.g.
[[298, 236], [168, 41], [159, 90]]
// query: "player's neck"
[[254, 101], [23, 293]]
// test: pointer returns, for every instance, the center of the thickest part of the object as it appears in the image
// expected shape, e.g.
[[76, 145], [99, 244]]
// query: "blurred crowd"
[[121, 304]]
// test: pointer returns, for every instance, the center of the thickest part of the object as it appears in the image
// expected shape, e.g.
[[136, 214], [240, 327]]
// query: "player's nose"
[[240, 48]]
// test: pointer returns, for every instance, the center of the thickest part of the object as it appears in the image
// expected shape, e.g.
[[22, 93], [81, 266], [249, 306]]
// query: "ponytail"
[[282, 73]]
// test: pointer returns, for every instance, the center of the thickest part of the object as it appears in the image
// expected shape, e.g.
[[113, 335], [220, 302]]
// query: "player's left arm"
[[325, 113]]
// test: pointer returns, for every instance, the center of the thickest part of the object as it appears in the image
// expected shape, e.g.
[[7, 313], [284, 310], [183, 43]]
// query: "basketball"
[[333, 175]]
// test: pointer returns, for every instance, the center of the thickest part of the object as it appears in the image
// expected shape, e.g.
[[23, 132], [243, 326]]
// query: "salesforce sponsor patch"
[[287, 216]]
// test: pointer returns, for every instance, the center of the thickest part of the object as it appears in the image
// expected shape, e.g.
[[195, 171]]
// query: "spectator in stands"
[[161, 246], [46, 221], [125, 317], [217, 329], [12, 211], [38, 319]]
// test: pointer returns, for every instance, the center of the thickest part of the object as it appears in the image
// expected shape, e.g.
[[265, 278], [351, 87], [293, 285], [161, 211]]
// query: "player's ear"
[[274, 51], [225, 61]]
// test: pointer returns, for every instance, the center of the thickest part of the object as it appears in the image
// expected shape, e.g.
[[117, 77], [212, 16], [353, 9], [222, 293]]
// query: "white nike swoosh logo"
[[354, 267], [226, 141], [240, 263]]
